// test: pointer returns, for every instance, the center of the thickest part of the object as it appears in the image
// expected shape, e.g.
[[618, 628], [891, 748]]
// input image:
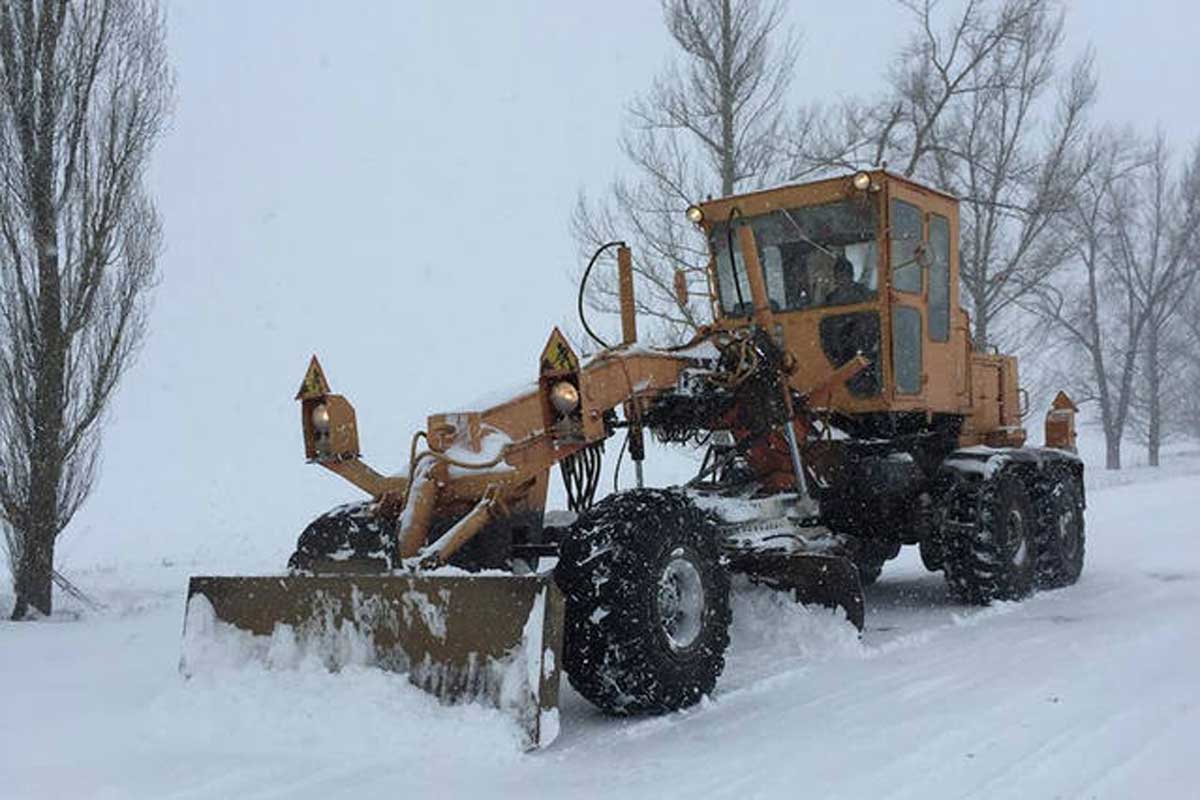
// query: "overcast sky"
[[388, 185]]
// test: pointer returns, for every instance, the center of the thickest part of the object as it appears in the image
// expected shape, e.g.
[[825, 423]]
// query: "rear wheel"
[[1060, 534], [991, 555], [647, 603]]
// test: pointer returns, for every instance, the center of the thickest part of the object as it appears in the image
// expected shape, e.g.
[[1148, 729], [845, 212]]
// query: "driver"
[[846, 291]]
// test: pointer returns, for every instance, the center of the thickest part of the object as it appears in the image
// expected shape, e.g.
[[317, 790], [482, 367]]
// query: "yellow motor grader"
[[844, 413]]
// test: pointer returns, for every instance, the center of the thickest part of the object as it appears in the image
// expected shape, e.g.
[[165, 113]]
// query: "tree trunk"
[[725, 84], [35, 567], [1154, 384], [34, 578], [980, 334], [1112, 443], [46, 463], [39, 582], [21, 606]]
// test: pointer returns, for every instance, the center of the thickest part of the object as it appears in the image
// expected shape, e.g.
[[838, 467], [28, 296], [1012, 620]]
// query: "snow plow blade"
[[826, 580], [495, 640]]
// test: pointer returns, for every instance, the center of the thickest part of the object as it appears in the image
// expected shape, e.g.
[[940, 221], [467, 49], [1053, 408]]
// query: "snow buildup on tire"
[[612, 566], [1059, 562], [348, 531], [978, 561]]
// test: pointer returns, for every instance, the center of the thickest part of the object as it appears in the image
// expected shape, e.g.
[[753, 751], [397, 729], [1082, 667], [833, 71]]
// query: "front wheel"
[[348, 532], [992, 555], [647, 603]]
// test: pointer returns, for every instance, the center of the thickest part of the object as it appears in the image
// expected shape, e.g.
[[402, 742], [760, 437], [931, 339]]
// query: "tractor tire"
[[1060, 532], [647, 603], [993, 555], [347, 532]]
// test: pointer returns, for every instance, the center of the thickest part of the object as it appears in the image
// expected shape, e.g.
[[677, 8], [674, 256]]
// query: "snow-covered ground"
[[1091, 691]]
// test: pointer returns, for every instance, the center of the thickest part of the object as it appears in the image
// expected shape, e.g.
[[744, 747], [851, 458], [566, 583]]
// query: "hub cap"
[[681, 602]]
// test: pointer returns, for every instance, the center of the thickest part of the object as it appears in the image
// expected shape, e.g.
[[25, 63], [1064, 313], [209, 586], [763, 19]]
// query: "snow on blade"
[[210, 644]]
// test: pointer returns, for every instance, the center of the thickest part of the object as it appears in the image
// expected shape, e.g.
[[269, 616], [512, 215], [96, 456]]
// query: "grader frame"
[[474, 493]]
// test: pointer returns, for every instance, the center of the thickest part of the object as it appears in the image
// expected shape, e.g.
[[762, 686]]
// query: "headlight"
[[320, 419], [862, 181], [695, 214], [564, 397]]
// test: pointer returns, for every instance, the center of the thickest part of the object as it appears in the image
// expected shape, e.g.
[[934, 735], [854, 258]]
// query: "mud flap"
[[495, 640], [830, 581]]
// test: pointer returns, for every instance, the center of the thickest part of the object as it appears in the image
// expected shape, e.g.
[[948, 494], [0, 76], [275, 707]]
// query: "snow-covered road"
[[1091, 691]]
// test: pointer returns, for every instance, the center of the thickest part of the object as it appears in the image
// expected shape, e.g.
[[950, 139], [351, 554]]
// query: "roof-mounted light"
[[695, 215], [861, 181]]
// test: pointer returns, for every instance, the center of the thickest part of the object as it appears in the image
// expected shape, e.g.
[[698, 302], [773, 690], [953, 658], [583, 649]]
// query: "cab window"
[[906, 349], [939, 278], [906, 240], [812, 257]]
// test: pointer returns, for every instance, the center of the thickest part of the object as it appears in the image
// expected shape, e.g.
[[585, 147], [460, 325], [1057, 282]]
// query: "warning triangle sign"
[[1063, 403], [314, 384], [557, 356]]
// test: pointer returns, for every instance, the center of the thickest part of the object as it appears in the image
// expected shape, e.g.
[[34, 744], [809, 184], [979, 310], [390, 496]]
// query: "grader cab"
[[844, 414], [868, 266]]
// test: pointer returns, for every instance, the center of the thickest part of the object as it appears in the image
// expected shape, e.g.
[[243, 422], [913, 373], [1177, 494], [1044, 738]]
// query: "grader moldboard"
[[845, 413]]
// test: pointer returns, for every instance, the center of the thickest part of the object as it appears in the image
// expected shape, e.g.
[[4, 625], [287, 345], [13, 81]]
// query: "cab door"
[[907, 253], [946, 388], [926, 337]]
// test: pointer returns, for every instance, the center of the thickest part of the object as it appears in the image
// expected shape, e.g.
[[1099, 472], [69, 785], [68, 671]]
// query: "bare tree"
[[1188, 344], [1092, 307], [934, 72], [1175, 388], [1157, 226], [85, 90], [1013, 185], [967, 110], [710, 123]]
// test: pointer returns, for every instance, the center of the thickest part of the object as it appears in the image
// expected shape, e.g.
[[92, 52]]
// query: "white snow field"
[[1090, 691]]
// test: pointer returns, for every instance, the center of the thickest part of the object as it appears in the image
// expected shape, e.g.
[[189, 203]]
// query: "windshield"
[[812, 257]]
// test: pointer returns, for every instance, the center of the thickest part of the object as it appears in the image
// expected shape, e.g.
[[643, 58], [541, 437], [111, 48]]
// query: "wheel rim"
[[1068, 541], [681, 603], [1018, 547]]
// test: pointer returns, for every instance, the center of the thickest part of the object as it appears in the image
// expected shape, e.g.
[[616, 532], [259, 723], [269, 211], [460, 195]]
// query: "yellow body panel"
[[955, 380]]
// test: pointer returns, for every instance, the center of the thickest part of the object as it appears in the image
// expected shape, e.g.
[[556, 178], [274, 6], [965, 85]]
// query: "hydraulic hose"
[[737, 284], [583, 286]]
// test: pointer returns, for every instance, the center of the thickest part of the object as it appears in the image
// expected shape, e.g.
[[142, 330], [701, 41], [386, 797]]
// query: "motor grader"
[[843, 410]]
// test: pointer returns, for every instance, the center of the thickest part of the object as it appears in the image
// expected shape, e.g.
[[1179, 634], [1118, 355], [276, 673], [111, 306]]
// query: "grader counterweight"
[[845, 414]]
